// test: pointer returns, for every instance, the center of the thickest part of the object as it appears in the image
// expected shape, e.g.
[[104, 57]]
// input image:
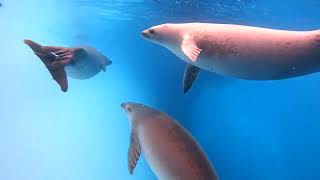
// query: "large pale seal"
[[239, 51], [170, 149], [79, 63]]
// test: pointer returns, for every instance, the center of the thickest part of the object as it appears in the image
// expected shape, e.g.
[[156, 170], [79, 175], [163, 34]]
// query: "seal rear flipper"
[[190, 75], [49, 58], [57, 72], [134, 151], [190, 49], [33, 45], [60, 76]]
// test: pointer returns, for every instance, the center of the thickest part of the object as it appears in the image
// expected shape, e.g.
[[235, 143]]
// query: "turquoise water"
[[250, 130]]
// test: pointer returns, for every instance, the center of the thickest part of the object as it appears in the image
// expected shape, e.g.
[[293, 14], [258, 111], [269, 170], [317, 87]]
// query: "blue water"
[[250, 130]]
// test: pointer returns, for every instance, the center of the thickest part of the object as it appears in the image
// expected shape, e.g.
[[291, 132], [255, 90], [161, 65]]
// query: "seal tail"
[[48, 59]]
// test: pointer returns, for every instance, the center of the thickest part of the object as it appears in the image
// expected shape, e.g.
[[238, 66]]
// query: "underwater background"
[[250, 130]]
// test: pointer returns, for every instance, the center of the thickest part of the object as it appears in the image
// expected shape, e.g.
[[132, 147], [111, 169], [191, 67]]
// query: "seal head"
[[171, 37], [166, 35]]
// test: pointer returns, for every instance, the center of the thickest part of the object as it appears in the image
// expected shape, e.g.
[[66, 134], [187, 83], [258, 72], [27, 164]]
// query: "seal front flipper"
[[190, 75], [48, 58], [190, 49], [134, 151]]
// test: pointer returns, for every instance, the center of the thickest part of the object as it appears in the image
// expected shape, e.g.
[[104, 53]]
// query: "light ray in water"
[[167, 9]]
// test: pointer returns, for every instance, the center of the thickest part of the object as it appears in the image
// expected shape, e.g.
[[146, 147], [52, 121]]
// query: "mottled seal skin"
[[78, 62], [170, 150], [244, 52]]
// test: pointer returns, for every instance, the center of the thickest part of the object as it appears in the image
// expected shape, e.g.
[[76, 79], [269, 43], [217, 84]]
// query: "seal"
[[244, 52], [80, 62], [170, 149]]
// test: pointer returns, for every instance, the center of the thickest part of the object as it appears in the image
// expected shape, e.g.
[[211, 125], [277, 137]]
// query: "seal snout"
[[123, 105], [126, 107], [145, 34]]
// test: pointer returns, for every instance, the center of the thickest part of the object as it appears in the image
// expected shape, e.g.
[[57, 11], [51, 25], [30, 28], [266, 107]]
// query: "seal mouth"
[[145, 34]]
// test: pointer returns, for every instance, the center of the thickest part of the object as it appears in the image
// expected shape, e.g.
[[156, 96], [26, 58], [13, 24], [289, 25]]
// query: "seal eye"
[[152, 31], [129, 109]]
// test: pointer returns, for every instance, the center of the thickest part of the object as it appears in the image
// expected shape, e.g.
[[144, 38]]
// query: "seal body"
[[87, 65], [170, 150], [79, 62], [241, 51]]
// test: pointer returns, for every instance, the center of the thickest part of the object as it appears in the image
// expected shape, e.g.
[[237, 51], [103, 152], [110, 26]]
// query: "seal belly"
[[86, 67], [172, 153], [83, 68], [259, 55]]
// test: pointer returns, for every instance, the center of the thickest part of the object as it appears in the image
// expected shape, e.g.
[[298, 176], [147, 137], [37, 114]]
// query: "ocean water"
[[250, 130]]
